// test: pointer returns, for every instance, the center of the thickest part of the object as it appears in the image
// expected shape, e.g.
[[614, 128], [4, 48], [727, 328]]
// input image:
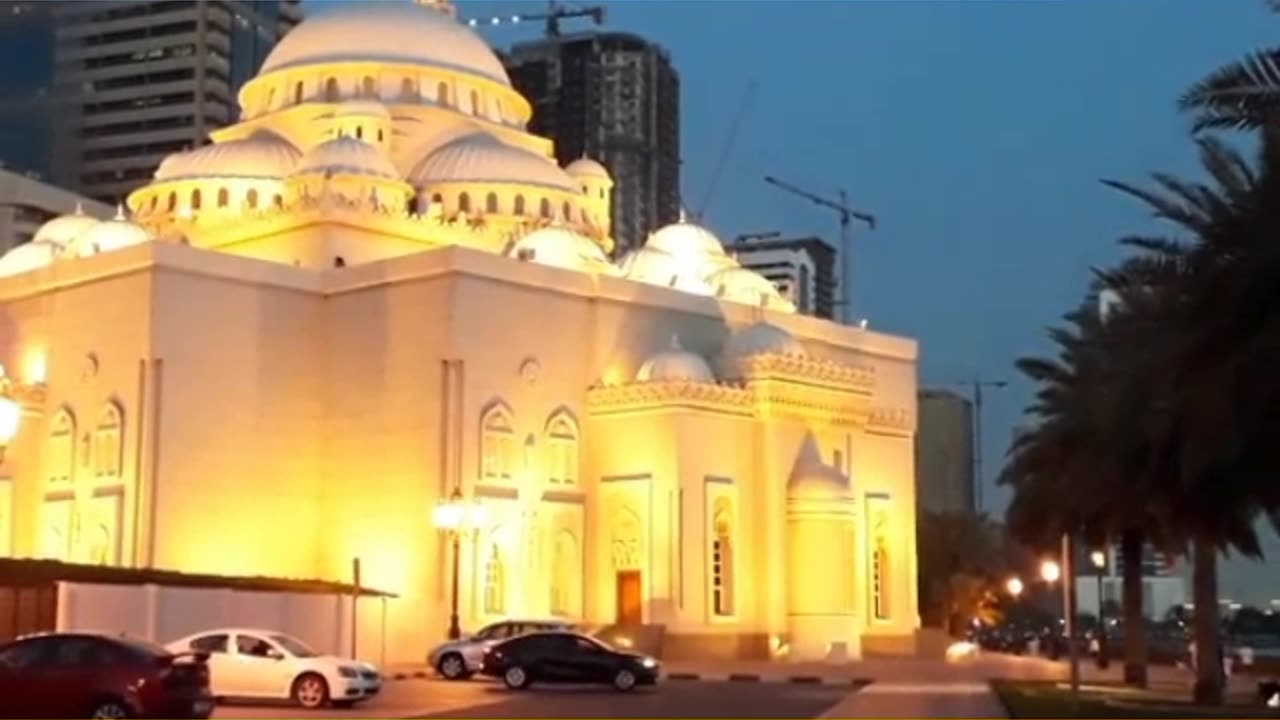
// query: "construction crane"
[[847, 216], [977, 385], [552, 17], [729, 140]]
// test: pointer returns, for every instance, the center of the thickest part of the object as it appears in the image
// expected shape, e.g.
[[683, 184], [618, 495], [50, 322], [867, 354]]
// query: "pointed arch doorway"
[[629, 588]]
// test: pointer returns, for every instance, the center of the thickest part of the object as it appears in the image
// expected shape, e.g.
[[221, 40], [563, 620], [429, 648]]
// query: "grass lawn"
[[1053, 700]]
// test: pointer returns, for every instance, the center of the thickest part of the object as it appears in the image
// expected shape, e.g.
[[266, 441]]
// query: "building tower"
[[135, 81], [613, 97]]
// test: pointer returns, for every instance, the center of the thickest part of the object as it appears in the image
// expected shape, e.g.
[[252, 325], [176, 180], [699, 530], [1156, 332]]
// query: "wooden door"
[[630, 609]]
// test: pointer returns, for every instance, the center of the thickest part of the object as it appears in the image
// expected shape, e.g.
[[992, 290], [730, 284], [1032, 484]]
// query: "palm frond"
[[1243, 95]]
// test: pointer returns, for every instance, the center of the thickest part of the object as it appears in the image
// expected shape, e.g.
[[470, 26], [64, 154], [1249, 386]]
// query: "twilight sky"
[[976, 131]]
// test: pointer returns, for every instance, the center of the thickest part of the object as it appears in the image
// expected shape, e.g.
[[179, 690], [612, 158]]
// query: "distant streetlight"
[[456, 518], [10, 414], [1014, 586], [1050, 571], [1099, 559]]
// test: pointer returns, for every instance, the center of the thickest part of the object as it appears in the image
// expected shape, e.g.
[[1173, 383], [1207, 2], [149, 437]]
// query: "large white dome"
[[741, 285], [64, 229], [261, 155], [563, 248], [387, 32], [109, 235], [28, 256], [685, 239], [482, 158]]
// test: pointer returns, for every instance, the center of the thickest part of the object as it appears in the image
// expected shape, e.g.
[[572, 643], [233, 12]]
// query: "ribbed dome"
[[64, 229], [261, 155], [757, 339], [109, 235], [739, 284], [28, 256], [675, 365], [564, 248], [686, 239], [346, 155], [482, 158], [585, 167], [385, 32]]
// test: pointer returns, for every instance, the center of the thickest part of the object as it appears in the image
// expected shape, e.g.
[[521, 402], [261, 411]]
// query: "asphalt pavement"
[[433, 698]]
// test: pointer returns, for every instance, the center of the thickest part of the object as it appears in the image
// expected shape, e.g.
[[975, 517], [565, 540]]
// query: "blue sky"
[[976, 131]]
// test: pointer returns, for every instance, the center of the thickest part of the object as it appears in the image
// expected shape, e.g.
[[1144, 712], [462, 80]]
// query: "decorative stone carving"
[[530, 370], [891, 420], [90, 367], [626, 541]]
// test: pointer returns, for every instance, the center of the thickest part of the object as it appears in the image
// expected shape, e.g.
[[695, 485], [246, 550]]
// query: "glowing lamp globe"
[[1050, 571], [10, 417]]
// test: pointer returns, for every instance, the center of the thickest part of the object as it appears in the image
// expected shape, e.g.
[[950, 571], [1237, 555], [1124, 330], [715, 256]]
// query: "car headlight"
[[348, 672], [649, 662]]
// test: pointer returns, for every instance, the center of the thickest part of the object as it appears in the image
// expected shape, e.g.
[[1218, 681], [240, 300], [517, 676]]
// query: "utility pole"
[[976, 386]]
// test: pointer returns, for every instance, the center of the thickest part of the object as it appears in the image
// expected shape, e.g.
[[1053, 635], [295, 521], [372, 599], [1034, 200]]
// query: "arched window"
[[297, 93], [475, 103], [224, 197], [195, 199], [567, 211], [722, 564], [519, 208], [442, 93], [331, 90], [359, 132], [408, 89], [436, 198], [566, 575], [277, 200], [497, 444], [544, 208], [368, 88], [251, 199], [271, 98], [60, 460], [379, 134], [173, 201], [497, 109], [562, 449], [880, 578], [154, 200], [107, 450], [464, 203], [494, 582], [491, 203]]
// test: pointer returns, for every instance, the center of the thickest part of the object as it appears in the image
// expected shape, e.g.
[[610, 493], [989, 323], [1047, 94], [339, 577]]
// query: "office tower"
[[26, 50], [944, 452], [133, 81], [27, 203], [803, 268], [615, 98]]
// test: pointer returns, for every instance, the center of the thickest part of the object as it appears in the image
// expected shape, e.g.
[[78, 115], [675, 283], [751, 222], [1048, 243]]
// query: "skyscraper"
[[135, 80], [614, 97], [944, 453], [803, 269], [26, 49]]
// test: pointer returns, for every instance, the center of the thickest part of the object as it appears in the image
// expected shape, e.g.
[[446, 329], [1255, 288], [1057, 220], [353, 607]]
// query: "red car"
[[81, 675]]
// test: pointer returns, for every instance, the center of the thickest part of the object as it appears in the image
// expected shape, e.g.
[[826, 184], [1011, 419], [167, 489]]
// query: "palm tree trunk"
[[1204, 593], [1135, 620]]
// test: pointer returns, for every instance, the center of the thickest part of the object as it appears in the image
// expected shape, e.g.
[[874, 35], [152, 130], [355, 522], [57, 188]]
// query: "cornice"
[[712, 397], [891, 421], [809, 370]]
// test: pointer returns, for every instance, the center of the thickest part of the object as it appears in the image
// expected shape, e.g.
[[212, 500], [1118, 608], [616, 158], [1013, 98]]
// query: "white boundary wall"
[[163, 614]]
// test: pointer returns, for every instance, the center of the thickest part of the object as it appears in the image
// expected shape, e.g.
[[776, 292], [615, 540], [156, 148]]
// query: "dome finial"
[[442, 6], [79, 208], [684, 216], [675, 342]]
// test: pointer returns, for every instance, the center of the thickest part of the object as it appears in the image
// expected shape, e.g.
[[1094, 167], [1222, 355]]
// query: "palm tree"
[[1242, 95], [1212, 418]]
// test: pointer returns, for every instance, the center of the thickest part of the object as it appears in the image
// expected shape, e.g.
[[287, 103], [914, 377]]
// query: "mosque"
[[376, 307]]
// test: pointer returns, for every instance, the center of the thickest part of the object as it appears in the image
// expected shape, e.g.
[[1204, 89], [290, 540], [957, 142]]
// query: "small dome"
[[812, 479], [564, 248], [345, 155], [362, 108], [482, 158], [28, 256], [739, 284], [675, 364], [757, 339], [685, 239], [109, 235], [656, 267], [64, 229], [261, 155], [386, 33], [585, 167]]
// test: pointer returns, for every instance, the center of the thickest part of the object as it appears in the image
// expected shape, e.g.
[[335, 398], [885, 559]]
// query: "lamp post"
[[454, 518], [1014, 586], [1099, 560]]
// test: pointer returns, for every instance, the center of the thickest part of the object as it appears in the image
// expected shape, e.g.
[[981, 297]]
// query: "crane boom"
[[839, 207], [554, 14]]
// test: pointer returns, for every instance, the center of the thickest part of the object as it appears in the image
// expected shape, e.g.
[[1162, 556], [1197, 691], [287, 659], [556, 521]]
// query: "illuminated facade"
[[377, 290]]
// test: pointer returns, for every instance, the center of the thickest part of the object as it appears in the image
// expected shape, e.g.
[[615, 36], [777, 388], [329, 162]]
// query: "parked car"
[[264, 664], [86, 675], [567, 657], [460, 659]]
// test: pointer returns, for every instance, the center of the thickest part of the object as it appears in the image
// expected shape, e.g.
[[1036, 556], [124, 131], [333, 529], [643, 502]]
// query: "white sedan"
[[265, 664]]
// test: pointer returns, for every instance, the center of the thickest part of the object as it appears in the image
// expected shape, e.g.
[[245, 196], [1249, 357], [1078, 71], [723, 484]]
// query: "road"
[[483, 699]]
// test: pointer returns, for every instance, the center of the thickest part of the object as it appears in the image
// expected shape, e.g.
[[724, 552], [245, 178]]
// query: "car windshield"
[[595, 641], [144, 647], [294, 646]]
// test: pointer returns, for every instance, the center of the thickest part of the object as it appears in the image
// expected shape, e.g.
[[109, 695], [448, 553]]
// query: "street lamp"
[[1099, 559], [10, 415], [1014, 586], [1050, 571], [455, 518]]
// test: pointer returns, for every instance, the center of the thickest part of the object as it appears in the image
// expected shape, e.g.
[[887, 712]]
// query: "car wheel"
[[625, 680], [516, 678], [110, 710], [311, 691], [452, 667]]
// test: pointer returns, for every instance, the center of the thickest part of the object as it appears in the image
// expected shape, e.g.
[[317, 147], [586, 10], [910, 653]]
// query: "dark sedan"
[[81, 675], [565, 657]]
